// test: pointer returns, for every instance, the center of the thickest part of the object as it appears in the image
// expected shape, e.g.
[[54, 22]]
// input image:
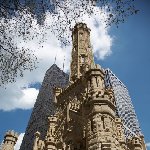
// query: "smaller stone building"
[[10, 140]]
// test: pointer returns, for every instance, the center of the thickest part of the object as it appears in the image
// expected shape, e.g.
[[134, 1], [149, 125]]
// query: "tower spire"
[[82, 55]]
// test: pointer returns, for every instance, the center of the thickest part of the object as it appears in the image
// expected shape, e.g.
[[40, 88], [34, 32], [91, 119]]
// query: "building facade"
[[94, 112], [90, 110]]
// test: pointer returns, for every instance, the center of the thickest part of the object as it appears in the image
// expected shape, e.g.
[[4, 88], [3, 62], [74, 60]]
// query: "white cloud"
[[148, 144], [18, 144], [100, 38], [14, 96]]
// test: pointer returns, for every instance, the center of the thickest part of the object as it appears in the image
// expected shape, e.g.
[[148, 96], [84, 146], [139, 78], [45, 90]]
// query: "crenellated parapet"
[[10, 140], [81, 51]]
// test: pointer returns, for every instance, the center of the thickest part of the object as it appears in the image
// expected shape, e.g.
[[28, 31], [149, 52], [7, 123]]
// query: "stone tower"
[[86, 116], [81, 52], [44, 107], [10, 140]]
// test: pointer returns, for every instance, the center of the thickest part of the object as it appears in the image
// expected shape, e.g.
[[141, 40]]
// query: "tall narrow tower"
[[81, 52]]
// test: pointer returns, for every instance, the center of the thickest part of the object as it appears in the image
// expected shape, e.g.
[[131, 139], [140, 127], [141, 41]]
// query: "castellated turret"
[[82, 55], [10, 140]]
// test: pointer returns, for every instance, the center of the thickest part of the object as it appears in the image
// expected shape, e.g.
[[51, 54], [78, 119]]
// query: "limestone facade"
[[85, 116]]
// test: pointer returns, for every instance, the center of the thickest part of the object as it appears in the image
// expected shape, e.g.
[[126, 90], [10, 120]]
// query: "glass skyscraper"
[[125, 109]]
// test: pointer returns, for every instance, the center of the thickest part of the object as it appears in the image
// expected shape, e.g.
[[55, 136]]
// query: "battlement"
[[10, 140], [11, 133], [81, 26]]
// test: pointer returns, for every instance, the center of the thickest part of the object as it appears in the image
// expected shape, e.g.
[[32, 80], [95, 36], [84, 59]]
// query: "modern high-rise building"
[[125, 109], [44, 106], [89, 110]]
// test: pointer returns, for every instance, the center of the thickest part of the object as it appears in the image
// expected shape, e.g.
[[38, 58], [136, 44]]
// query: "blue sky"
[[129, 60]]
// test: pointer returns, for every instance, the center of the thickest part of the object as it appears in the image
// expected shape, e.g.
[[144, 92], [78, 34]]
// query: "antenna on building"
[[55, 57], [55, 60], [64, 63]]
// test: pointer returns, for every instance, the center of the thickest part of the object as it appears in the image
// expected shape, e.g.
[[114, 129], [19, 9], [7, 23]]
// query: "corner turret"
[[10, 140]]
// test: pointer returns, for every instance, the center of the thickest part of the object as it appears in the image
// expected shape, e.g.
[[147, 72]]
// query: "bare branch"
[[18, 19]]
